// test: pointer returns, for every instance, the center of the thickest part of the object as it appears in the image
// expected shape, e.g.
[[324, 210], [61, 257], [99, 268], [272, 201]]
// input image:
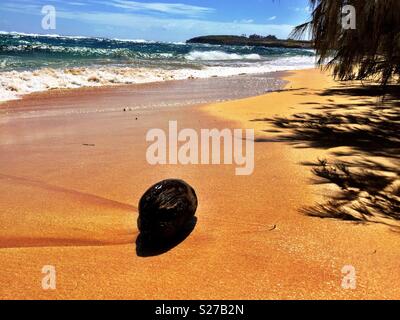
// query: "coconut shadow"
[[146, 248]]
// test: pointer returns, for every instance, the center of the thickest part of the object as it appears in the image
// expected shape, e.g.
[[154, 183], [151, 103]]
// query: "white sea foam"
[[134, 40], [14, 84], [37, 35], [219, 56], [54, 35]]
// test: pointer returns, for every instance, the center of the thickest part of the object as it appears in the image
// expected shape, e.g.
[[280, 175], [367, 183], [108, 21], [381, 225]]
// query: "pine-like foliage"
[[372, 50]]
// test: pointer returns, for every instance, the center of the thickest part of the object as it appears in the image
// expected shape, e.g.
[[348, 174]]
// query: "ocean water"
[[32, 63]]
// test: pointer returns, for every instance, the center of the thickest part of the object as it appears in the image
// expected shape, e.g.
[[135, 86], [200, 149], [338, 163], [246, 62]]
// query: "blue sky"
[[163, 20]]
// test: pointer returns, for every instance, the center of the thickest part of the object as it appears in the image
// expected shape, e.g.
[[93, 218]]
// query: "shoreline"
[[269, 81], [68, 197], [16, 85]]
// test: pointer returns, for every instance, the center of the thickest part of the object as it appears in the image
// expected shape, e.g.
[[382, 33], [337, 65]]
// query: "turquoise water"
[[22, 52], [31, 63]]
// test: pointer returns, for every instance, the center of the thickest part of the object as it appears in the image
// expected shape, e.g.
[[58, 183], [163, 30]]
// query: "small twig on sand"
[[273, 228]]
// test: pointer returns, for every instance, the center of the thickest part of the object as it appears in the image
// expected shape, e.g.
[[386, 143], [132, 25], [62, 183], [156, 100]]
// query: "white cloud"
[[141, 25], [271, 18], [77, 3], [307, 9], [244, 21], [167, 8], [178, 29]]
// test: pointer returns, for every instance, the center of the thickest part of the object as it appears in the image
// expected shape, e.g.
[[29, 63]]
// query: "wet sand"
[[70, 184]]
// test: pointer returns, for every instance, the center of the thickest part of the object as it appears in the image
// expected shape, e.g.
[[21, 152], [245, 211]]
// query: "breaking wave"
[[220, 56], [32, 63]]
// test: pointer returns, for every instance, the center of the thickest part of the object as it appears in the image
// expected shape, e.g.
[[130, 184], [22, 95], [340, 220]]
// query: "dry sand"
[[74, 207]]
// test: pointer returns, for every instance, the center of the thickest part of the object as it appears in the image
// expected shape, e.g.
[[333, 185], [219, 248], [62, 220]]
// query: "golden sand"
[[73, 206]]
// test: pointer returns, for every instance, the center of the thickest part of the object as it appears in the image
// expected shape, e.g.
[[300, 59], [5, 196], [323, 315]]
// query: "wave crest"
[[219, 56]]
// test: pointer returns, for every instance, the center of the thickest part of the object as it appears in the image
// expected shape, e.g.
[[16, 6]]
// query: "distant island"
[[253, 40]]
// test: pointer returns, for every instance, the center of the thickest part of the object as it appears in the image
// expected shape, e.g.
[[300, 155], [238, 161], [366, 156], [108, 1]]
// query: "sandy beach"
[[70, 185]]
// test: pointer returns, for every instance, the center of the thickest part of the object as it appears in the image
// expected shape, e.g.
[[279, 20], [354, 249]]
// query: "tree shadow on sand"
[[366, 169]]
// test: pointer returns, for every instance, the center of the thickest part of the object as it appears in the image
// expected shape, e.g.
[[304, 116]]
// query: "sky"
[[160, 20]]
